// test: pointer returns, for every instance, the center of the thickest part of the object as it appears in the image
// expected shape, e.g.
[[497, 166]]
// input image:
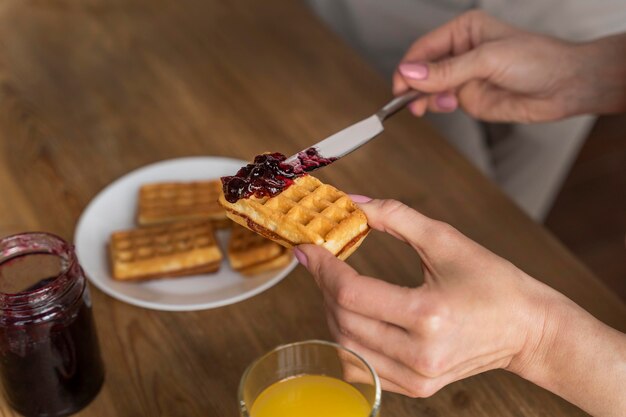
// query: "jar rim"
[[26, 243]]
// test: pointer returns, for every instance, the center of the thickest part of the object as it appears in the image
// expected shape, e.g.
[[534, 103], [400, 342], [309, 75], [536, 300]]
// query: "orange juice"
[[310, 396]]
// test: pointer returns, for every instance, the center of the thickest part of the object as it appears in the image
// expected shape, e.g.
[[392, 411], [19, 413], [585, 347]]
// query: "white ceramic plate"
[[114, 209]]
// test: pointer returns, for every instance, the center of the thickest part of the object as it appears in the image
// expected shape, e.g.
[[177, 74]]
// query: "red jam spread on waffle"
[[269, 174]]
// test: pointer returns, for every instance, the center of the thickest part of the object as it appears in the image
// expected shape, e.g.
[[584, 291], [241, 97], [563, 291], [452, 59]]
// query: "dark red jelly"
[[311, 159], [50, 361], [269, 174]]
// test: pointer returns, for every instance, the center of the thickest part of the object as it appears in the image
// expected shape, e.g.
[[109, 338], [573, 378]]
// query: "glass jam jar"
[[50, 362]]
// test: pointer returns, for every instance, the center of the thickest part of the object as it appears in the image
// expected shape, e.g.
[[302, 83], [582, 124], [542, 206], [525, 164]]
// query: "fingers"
[[445, 102], [447, 58], [355, 373], [397, 219], [386, 338], [458, 36], [399, 86], [399, 377], [352, 291], [447, 74], [393, 375], [388, 369], [454, 38]]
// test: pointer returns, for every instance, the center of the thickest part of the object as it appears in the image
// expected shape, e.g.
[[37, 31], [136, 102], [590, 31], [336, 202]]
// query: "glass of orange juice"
[[314, 378]]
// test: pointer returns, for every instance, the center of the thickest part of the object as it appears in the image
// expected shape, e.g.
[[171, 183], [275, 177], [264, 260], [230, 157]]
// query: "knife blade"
[[351, 138]]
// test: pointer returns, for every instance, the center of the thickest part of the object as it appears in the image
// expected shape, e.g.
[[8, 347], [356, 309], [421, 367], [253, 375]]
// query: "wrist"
[[546, 309], [574, 355], [601, 75]]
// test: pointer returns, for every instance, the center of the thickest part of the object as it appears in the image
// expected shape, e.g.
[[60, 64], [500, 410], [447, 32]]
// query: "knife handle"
[[398, 103]]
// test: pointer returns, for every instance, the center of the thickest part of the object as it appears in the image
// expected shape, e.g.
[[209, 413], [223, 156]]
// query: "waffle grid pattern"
[[311, 206], [161, 202], [170, 249], [150, 242], [308, 211]]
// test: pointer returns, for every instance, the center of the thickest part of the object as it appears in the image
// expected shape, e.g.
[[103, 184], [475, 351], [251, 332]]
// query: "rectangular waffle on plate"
[[307, 211], [174, 249], [251, 253], [181, 201]]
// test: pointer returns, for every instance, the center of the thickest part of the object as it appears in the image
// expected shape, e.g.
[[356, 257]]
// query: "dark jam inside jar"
[[50, 361], [269, 174]]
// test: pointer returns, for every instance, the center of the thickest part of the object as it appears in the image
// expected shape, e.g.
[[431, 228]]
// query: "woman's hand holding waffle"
[[474, 312]]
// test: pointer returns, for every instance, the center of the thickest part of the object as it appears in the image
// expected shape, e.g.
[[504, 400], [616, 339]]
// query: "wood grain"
[[92, 89]]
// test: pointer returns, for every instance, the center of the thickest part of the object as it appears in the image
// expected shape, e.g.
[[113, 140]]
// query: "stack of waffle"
[[176, 236], [251, 253]]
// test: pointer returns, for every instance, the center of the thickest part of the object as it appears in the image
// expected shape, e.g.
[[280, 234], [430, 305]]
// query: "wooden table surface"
[[92, 89]]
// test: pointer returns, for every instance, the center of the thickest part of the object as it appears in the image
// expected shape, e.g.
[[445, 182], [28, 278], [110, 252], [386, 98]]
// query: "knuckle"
[[422, 388], [443, 72], [431, 324], [443, 235], [429, 364], [434, 322], [432, 319], [391, 207], [345, 296], [344, 325]]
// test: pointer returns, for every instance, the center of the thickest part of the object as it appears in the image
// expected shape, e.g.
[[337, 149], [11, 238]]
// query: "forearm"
[[580, 359]]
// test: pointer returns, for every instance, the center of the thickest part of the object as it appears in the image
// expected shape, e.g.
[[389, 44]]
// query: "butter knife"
[[357, 135]]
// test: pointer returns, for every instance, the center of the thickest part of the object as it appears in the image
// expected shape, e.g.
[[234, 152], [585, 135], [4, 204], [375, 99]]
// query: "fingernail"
[[414, 70], [357, 198], [446, 101], [301, 257]]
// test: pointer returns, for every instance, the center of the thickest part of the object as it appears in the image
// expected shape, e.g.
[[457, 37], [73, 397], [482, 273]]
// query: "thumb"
[[433, 240], [322, 264], [402, 222], [447, 74]]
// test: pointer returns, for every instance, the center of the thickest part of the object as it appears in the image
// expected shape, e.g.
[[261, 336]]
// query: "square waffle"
[[181, 201], [174, 249], [307, 211], [251, 253]]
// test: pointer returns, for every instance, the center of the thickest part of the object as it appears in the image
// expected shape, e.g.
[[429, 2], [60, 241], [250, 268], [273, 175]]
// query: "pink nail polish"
[[414, 70], [446, 101], [357, 198], [301, 257]]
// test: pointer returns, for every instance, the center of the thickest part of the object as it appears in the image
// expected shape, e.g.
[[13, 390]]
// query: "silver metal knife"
[[357, 135]]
